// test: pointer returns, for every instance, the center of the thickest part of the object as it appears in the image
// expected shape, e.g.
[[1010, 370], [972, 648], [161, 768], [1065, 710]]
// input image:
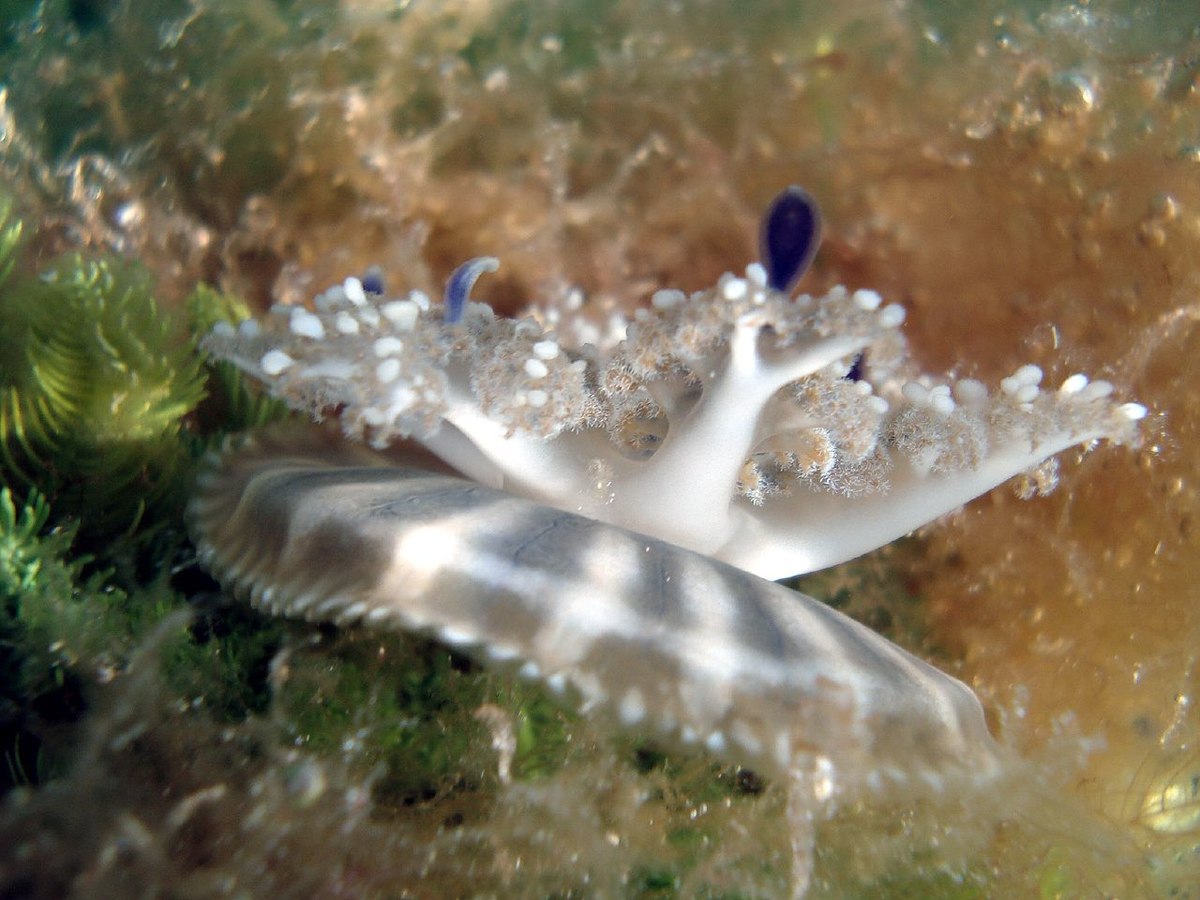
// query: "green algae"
[[97, 385], [65, 629], [95, 381]]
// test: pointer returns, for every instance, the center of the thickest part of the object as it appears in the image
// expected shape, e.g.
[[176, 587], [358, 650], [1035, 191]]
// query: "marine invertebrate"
[[775, 435], [778, 434]]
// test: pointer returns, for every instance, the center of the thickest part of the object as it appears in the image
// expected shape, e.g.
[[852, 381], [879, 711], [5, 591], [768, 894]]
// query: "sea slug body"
[[626, 503], [780, 434]]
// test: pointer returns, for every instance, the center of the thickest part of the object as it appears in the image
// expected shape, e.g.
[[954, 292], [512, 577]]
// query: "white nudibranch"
[[702, 415], [742, 429]]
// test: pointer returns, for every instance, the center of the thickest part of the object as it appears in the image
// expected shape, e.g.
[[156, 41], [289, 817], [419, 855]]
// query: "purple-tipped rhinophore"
[[462, 279], [791, 231], [372, 281], [856, 368]]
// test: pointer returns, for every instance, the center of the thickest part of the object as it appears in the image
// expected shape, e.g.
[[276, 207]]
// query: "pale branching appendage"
[[781, 434]]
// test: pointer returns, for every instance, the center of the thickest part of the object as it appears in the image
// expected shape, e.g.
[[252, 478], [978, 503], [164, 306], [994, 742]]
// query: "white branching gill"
[[781, 434]]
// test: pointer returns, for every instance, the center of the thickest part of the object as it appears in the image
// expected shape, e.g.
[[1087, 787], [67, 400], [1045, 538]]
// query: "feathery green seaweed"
[[100, 389], [95, 380]]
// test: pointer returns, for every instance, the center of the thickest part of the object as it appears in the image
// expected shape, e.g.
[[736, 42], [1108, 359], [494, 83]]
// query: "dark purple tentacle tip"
[[856, 372], [791, 231], [372, 281], [460, 282]]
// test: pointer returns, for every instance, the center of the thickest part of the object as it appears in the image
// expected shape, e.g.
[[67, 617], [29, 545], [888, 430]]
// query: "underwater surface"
[[1023, 177]]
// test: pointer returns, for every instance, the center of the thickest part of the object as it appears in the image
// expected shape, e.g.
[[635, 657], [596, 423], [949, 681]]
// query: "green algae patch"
[[66, 630], [95, 382], [427, 721]]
